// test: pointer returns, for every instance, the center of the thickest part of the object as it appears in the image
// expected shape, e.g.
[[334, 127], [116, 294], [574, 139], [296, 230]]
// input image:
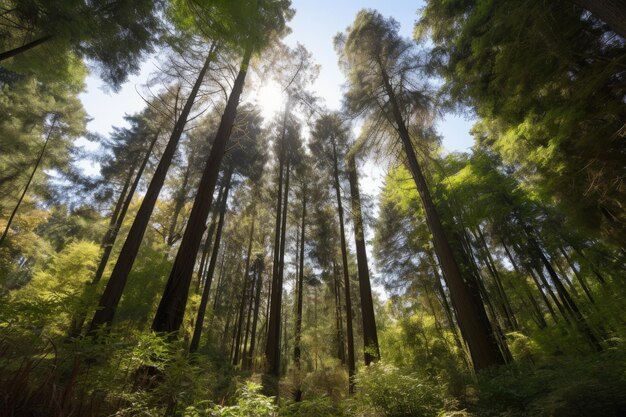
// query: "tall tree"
[[329, 144], [117, 281], [370, 335], [555, 110], [382, 67]]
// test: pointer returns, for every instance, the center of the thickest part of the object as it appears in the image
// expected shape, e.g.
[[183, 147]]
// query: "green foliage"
[[47, 303], [393, 393], [249, 403], [591, 386], [548, 91], [322, 406], [125, 31]]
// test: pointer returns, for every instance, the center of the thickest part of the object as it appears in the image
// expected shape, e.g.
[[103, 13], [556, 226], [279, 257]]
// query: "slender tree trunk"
[[111, 234], [171, 310], [249, 306], [471, 316], [30, 179], [30, 45], [370, 336], [255, 317], [299, 286], [281, 263], [341, 349], [220, 283], [195, 340], [487, 260], [108, 247], [272, 348], [108, 240], [443, 300], [541, 321], [346, 272], [115, 286], [208, 240], [264, 332], [612, 12], [567, 300], [179, 203], [245, 291], [218, 291], [581, 279]]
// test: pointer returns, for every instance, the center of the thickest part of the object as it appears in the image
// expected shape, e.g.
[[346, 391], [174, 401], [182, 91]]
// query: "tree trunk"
[[487, 259], [108, 246], [341, 349], [115, 286], [612, 12], [30, 45], [197, 331], [581, 279], [471, 316], [245, 291], [346, 272], [299, 286], [255, 317], [30, 179], [171, 310], [179, 203], [370, 335], [209, 239], [541, 321], [249, 307], [567, 300], [108, 239], [111, 235], [272, 349]]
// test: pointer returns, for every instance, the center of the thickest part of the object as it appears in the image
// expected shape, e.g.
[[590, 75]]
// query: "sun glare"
[[269, 97]]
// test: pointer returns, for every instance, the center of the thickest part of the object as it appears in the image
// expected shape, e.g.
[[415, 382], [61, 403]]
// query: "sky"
[[314, 25]]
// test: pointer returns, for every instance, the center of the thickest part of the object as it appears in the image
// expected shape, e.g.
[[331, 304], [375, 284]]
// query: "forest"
[[205, 257]]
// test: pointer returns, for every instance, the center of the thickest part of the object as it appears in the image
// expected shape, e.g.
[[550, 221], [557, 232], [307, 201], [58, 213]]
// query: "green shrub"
[[317, 407], [387, 391], [249, 403], [589, 386]]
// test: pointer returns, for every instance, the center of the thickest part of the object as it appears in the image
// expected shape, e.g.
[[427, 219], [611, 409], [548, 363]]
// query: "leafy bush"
[[328, 382], [385, 389], [590, 386], [250, 403], [317, 407]]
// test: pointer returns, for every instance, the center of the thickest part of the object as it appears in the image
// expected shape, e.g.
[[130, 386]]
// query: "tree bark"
[[30, 45], [341, 350], [258, 268], [209, 239], [112, 233], [115, 286], [299, 286], [541, 321], [171, 310], [370, 335], [179, 203], [471, 316], [272, 349], [197, 331], [346, 272], [244, 291]]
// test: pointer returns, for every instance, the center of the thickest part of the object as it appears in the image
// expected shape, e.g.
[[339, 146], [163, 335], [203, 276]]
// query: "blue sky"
[[314, 25]]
